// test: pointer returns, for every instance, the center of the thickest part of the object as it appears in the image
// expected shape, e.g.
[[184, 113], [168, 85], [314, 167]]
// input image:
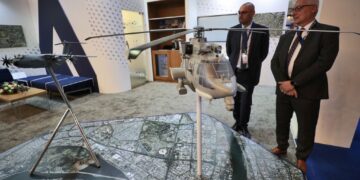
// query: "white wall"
[[339, 115], [111, 67], [92, 17], [216, 7], [17, 12], [150, 76], [191, 14], [134, 22]]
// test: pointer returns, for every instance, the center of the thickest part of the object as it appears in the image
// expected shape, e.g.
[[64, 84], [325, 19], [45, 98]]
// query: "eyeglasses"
[[299, 8], [242, 12]]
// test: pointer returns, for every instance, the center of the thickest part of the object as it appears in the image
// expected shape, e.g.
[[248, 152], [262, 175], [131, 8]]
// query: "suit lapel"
[[253, 37], [288, 41]]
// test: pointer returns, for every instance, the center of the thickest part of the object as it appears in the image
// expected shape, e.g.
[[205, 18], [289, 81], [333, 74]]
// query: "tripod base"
[[68, 110]]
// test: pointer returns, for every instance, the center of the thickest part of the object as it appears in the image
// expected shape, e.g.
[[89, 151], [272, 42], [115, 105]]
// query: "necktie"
[[244, 40], [293, 47]]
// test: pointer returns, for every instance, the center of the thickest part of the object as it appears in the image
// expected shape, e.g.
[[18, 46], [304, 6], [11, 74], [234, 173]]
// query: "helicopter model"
[[204, 69]]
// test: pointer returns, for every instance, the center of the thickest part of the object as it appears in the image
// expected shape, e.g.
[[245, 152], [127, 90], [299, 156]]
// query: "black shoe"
[[245, 132], [235, 127]]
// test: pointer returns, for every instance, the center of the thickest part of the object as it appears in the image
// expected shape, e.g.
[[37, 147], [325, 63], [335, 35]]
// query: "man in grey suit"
[[299, 66], [246, 50]]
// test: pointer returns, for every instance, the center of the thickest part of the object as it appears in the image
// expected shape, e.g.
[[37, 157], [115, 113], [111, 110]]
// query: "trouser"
[[307, 112], [242, 106]]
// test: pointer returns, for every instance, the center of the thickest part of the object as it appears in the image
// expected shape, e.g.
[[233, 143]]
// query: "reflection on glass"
[[211, 73], [161, 61]]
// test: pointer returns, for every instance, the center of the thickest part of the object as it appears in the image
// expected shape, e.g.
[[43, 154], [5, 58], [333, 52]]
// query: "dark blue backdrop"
[[52, 15]]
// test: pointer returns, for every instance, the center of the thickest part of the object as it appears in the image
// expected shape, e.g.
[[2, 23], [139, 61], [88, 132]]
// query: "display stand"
[[69, 109]]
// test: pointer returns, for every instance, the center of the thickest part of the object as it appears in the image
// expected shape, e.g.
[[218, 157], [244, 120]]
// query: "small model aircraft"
[[48, 61], [42, 60], [37, 61]]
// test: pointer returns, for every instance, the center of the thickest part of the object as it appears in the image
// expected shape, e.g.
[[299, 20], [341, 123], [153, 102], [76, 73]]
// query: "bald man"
[[299, 66], [246, 50]]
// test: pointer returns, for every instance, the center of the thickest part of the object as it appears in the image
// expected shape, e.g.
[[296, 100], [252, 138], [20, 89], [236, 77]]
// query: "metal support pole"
[[49, 142], [198, 137], [63, 95]]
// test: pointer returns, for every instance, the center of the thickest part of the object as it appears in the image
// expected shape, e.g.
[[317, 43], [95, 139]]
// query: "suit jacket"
[[316, 56], [257, 51]]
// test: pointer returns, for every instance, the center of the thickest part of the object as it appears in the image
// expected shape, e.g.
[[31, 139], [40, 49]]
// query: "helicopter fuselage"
[[205, 70]]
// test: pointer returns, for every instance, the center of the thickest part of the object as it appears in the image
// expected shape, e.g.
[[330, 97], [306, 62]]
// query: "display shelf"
[[163, 60], [168, 17], [165, 15], [170, 30]]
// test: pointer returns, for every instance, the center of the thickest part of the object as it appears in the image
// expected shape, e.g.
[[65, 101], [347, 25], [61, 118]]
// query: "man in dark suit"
[[299, 66], [246, 51]]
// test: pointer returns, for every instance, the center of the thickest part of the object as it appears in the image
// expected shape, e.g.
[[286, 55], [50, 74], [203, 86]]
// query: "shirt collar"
[[307, 26], [247, 27]]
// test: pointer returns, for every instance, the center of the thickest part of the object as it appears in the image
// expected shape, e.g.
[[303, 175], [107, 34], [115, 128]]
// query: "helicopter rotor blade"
[[317, 30], [295, 30], [254, 30], [135, 52], [259, 30], [225, 29], [138, 32], [68, 42]]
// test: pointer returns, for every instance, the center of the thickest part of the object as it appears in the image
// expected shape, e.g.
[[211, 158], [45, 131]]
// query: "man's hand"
[[287, 88], [292, 93]]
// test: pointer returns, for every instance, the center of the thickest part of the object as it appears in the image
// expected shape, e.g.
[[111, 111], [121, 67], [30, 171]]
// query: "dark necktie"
[[244, 40], [293, 47]]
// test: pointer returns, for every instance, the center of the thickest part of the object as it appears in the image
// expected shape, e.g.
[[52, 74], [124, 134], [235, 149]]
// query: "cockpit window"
[[214, 72]]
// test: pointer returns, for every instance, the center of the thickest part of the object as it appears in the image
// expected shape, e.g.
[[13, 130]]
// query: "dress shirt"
[[297, 50], [248, 43]]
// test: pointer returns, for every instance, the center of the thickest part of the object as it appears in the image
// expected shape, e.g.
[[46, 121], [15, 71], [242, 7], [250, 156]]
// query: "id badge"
[[244, 58]]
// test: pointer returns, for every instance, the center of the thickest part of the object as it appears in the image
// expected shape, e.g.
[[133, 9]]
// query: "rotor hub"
[[199, 33]]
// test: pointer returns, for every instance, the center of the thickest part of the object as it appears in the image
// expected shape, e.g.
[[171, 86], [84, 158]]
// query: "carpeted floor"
[[155, 98]]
